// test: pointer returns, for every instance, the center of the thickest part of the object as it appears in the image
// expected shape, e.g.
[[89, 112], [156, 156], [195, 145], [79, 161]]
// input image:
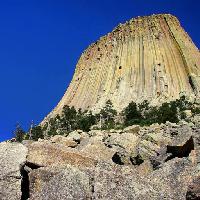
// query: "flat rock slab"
[[46, 154]]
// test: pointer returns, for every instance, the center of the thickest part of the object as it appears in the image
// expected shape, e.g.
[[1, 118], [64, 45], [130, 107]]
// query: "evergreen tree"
[[19, 133], [150, 116], [52, 126], [85, 121], [144, 106], [107, 115], [132, 114], [37, 133], [167, 112], [182, 103], [69, 118]]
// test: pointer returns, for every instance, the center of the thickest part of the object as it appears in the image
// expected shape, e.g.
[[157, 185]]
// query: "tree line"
[[141, 114]]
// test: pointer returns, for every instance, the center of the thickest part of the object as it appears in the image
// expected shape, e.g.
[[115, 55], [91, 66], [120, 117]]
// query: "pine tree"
[[167, 112], [37, 133], [19, 133], [107, 115], [85, 121], [132, 114], [69, 118]]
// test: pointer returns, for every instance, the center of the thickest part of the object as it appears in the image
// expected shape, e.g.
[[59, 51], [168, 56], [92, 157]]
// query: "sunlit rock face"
[[147, 58]]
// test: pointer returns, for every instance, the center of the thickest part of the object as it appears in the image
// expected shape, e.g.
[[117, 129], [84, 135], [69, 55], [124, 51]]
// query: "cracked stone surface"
[[12, 157], [53, 170], [155, 177], [59, 183]]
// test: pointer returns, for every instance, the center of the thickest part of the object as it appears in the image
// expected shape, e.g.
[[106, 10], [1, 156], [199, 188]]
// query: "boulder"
[[170, 181], [77, 136], [74, 135], [59, 183], [153, 147], [148, 149], [183, 133], [158, 138], [132, 129], [12, 159], [116, 182], [48, 154], [98, 150], [107, 181], [98, 133], [127, 141], [59, 139], [188, 113], [123, 182], [193, 192]]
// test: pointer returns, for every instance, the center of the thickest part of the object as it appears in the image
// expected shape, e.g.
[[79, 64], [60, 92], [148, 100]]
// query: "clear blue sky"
[[41, 41]]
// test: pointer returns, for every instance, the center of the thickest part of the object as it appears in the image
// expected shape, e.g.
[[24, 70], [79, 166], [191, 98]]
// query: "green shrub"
[[183, 104]]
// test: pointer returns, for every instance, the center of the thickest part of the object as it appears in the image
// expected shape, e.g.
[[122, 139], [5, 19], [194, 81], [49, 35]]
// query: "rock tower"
[[147, 58]]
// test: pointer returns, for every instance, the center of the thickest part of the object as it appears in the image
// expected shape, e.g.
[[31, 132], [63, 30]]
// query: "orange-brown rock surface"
[[147, 58]]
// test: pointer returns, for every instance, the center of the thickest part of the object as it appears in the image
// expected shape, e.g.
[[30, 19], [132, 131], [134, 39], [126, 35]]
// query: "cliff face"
[[148, 58]]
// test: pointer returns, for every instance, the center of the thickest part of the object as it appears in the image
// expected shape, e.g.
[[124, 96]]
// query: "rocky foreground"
[[156, 162]]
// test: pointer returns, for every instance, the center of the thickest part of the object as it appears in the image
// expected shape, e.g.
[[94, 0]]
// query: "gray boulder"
[[193, 192], [107, 181], [12, 159], [57, 183], [169, 182], [59, 139], [45, 154]]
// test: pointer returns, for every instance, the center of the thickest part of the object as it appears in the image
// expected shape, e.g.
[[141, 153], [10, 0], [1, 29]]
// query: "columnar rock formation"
[[147, 58]]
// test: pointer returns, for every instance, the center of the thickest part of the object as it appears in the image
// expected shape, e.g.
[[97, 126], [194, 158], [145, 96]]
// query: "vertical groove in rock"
[[148, 58], [24, 183]]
